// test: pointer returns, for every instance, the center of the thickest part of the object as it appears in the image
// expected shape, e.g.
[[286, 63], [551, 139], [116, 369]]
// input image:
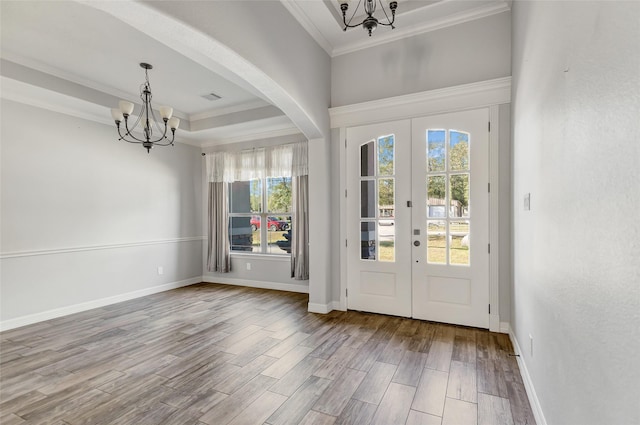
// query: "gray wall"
[[87, 218], [474, 51], [576, 86]]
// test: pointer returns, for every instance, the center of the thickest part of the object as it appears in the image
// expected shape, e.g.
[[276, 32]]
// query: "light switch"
[[527, 202]]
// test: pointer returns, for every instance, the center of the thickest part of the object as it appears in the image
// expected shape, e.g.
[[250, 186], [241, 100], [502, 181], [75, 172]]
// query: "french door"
[[418, 214]]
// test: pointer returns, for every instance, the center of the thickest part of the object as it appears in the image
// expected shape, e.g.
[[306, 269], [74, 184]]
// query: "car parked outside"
[[273, 224]]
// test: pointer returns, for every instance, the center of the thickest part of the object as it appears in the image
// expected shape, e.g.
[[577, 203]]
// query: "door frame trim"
[[485, 94]]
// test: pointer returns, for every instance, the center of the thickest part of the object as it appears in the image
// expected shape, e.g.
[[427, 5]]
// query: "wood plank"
[[493, 410], [287, 362], [258, 411], [420, 418], [395, 405], [357, 413], [462, 382], [431, 392], [299, 404], [316, 418], [375, 384], [290, 383], [457, 412], [336, 397], [225, 411], [439, 357], [410, 368]]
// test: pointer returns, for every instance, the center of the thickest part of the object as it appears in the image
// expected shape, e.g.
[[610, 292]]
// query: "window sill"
[[267, 257]]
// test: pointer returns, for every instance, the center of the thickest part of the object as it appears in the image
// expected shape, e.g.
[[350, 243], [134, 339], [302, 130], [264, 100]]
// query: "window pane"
[[435, 150], [279, 194], [241, 235], [367, 159], [458, 151], [459, 247], [459, 196], [368, 240], [386, 155], [246, 196], [387, 232], [436, 206], [279, 235], [368, 199], [436, 242]]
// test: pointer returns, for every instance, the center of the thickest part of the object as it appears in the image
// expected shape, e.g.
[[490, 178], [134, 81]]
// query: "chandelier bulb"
[[126, 107], [166, 112], [117, 115], [174, 123]]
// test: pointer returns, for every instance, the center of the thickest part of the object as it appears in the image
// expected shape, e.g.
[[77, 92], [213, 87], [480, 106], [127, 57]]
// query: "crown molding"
[[289, 131], [465, 96]]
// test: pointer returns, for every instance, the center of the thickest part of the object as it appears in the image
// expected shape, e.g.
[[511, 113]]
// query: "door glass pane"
[[368, 199], [368, 240], [436, 241], [367, 159], [459, 247], [386, 197], [387, 234], [436, 206], [435, 150], [242, 236], [458, 151], [386, 155], [459, 196]]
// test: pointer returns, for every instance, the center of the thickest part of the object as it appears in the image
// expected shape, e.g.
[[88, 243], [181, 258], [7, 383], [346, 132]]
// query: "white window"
[[260, 215]]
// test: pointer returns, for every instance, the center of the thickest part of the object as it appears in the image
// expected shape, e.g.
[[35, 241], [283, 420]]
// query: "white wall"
[[474, 51], [87, 218], [576, 127]]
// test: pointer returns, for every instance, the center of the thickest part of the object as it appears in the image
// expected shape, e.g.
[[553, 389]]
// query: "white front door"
[[379, 221], [451, 218], [417, 212]]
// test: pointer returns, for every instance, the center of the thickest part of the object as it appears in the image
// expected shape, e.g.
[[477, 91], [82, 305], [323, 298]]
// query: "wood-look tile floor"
[[216, 354]]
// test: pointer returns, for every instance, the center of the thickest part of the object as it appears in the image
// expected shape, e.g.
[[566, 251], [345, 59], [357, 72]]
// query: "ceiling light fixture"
[[370, 23], [147, 117]]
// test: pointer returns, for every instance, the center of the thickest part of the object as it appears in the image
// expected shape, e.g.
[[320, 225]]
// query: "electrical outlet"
[[248, 266], [160, 270], [531, 344]]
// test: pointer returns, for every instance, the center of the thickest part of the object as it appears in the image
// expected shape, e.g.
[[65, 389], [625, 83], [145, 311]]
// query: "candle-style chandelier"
[[147, 117], [370, 23]]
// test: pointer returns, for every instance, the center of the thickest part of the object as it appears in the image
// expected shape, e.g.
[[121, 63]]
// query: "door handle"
[[416, 243]]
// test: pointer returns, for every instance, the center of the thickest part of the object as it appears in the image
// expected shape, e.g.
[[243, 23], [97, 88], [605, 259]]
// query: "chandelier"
[[370, 23], [147, 117]]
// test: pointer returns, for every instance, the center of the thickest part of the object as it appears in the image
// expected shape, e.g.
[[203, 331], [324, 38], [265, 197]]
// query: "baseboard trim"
[[30, 319], [526, 378], [279, 286], [319, 308], [505, 327]]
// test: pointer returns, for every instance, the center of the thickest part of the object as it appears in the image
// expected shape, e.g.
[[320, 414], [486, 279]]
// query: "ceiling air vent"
[[211, 96]]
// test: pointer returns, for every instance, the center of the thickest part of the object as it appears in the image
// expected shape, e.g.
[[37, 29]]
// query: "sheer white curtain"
[[277, 161]]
